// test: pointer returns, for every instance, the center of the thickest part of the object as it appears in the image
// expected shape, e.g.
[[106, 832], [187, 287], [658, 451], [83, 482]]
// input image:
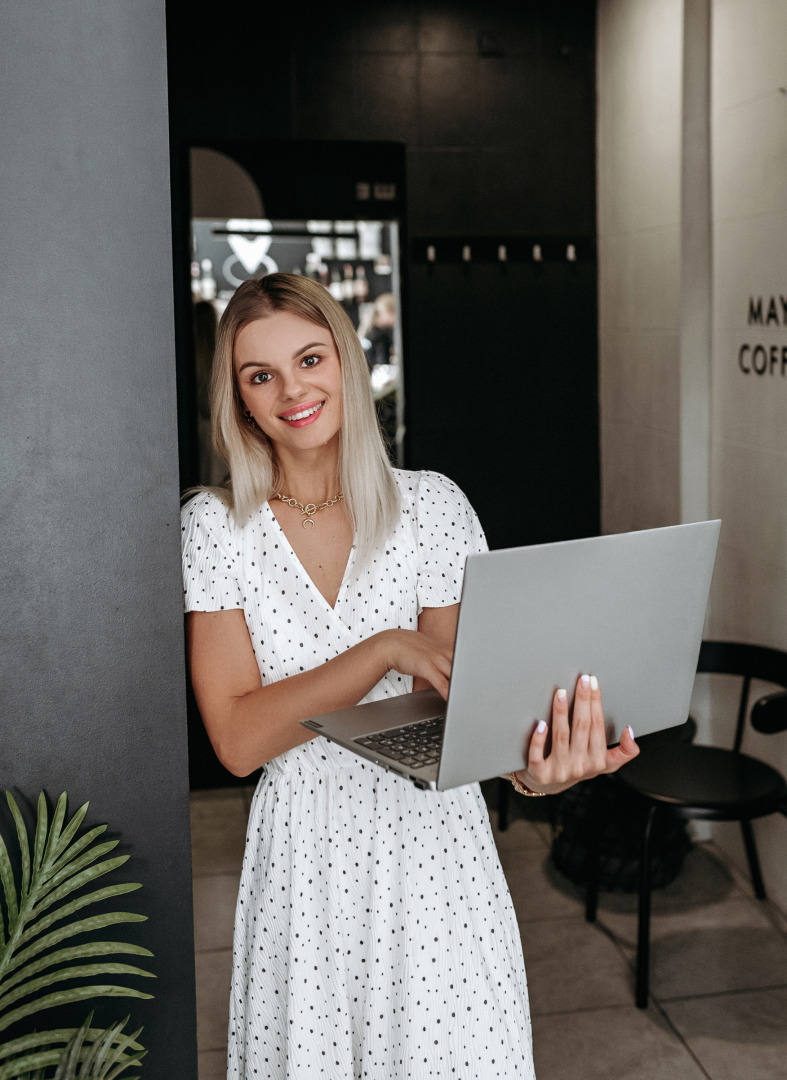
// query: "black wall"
[[92, 673], [493, 105]]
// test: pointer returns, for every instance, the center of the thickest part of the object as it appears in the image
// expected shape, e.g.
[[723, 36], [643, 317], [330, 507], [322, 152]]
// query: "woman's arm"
[[249, 724]]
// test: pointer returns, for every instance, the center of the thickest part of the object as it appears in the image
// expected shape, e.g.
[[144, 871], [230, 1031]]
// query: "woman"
[[374, 933]]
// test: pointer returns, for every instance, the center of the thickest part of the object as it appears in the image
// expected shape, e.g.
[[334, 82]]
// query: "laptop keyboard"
[[415, 745]]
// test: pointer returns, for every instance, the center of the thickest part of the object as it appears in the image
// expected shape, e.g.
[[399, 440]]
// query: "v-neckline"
[[304, 572]]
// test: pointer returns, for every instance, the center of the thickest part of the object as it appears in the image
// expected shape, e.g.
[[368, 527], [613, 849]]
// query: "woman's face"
[[290, 380]]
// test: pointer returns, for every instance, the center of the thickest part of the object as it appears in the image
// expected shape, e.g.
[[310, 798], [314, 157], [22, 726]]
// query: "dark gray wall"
[[92, 668]]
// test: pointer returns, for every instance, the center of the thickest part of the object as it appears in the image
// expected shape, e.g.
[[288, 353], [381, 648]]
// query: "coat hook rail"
[[503, 249]]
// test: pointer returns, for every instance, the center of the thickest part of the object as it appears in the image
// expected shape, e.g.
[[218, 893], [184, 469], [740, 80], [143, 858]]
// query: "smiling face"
[[290, 379]]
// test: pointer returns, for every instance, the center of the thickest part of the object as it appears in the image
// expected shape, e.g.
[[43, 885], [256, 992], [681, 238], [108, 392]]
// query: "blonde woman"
[[374, 932]]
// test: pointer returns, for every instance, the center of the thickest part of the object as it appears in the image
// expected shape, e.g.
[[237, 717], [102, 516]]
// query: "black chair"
[[706, 782]]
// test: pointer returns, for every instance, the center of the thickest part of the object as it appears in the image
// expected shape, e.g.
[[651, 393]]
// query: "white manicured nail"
[[585, 680], [541, 727], [562, 695], [630, 730], [593, 682]]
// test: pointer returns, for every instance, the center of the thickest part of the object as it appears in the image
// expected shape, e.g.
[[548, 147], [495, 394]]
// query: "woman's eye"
[[310, 361], [260, 377]]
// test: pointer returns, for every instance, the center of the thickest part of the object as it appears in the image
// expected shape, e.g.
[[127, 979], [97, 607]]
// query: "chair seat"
[[705, 781]]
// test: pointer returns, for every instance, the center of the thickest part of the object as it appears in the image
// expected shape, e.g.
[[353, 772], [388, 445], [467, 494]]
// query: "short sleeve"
[[210, 560], [448, 530]]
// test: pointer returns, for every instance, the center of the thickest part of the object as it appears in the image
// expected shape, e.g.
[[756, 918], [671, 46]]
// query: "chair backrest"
[[769, 714], [749, 662]]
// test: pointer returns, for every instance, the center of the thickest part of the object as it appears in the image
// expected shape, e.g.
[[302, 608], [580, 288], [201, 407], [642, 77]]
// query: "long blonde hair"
[[370, 491]]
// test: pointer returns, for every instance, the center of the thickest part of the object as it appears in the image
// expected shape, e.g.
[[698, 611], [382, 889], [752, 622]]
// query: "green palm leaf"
[[76, 952], [109, 1057], [70, 831], [40, 1041], [86, 1053], [82, 926], [67, 997], [77, 877], [86, 901], [64, 856], [59, 869], [81, 971], [24, 847], [9, 890], [55, 867]]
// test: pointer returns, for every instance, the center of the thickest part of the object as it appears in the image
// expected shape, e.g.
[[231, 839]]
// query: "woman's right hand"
[[413, 652], [250, 723]]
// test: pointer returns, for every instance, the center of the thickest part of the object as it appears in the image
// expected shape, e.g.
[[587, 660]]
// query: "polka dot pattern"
[[374, 932]]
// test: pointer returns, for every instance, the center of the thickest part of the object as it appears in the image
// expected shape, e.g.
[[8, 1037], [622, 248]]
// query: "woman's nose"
[[293, 383]]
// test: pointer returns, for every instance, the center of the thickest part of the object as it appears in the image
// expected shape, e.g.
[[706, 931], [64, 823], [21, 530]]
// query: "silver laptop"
[[629, 608]]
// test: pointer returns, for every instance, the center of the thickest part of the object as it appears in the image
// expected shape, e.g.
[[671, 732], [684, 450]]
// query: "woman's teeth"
[[304, 414]]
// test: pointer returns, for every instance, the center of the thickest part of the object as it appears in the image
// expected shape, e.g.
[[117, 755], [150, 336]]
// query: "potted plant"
[[47, 945]]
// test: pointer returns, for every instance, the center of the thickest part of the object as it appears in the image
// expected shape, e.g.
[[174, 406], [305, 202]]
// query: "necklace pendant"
[[310, 509]]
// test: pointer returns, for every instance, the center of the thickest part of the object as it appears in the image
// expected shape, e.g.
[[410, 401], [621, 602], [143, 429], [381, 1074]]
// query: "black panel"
[[502, 395]]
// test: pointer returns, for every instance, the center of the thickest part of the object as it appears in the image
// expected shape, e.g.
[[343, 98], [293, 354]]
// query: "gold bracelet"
[[520, 787]]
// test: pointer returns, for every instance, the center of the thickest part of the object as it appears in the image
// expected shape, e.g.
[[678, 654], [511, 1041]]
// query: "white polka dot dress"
[[374, 933]]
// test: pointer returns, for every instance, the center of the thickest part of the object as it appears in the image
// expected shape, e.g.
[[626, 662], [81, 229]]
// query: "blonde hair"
[[370, 491]]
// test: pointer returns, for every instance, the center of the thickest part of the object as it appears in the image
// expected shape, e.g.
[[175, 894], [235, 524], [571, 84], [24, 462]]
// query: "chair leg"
[[643, 932], [754, 861], [503, 788]]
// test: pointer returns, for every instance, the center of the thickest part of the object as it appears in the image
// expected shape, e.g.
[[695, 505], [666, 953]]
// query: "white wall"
[[639, 139], [749, 411], [645, 234]]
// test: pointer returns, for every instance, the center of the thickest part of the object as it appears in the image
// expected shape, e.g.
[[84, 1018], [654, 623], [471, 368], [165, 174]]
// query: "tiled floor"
[[718, 1006]]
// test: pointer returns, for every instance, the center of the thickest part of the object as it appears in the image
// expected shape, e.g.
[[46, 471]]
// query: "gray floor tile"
[[544, 831], [520, 835], [214, 911], [248, 794], [571, 965], [707, 938], [212, 1065], [736, 1035], [218, 831], [214, 971], [623, 1043], [729, 945], [220, 794], [703, 879], [532, 882]]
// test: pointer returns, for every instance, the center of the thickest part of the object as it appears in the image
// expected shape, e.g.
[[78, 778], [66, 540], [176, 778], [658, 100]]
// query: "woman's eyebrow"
[[311, 345], [297, 353]]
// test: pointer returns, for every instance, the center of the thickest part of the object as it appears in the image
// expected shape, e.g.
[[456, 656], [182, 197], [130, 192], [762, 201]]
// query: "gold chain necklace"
[[310, 509]]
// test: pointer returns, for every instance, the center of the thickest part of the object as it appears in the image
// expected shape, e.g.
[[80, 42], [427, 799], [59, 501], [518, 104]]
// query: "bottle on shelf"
[[196, 284], [336, 288], [348, 284], [207, 281], [361, 285], [313, 265]]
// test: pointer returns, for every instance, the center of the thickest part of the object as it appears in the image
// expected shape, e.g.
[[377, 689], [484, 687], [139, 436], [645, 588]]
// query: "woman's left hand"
[[577, 746]]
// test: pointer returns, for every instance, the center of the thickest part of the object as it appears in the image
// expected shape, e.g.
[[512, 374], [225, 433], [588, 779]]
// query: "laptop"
[[628, 608]]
